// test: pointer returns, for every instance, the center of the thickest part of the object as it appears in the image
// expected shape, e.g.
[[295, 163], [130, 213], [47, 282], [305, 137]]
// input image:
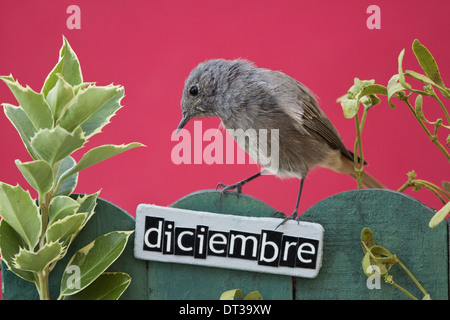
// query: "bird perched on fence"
[[246, 97]]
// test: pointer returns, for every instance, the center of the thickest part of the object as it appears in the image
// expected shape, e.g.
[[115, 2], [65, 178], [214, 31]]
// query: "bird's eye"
[[193, 91]]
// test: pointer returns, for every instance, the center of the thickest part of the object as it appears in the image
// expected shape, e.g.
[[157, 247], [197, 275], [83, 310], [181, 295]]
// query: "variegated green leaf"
[[55, 144], [61, 207], [23, 125], [65, 227], [108, 286], [60, 96], [93, 259], [19, 210], [68, 67], [87, 204], [38, 174], [33, 103], [97, 102], [39, 260], [99, 154], [10, 244], [82, 86], [67, 186], [102, 116]]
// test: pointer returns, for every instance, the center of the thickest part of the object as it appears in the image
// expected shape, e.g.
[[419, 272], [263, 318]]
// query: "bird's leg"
[[238, 185], [293, 216]]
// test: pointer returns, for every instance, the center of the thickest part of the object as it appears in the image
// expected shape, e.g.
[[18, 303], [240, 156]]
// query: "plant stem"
[[403, 290], [405, 186], [43, 285], [447, 116], [412, 277], [427, 183], [433, 138], [363, 120], [44, 203], [433, 190], [359, 166], [439, 192]]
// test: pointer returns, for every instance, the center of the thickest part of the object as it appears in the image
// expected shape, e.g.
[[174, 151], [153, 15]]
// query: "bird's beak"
[[183, 122]]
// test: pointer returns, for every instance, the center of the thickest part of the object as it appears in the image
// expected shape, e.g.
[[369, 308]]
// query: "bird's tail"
[[369, 181], [347, 166]]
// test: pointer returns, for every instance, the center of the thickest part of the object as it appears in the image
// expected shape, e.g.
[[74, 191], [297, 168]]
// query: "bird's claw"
[[237, 187], [280, 213], [293, 216]]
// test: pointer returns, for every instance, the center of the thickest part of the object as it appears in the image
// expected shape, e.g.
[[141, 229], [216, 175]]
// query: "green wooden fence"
[[399, 223]]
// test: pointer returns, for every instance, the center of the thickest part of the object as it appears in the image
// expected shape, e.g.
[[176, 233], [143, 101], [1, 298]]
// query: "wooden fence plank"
[[399, 223], [193, 282]]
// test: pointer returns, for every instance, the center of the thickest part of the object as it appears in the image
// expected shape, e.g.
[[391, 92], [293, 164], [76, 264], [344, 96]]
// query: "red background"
[[150, 47]]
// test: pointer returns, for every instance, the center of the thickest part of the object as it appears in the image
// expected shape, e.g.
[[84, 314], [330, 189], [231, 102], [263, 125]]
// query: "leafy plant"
[[237, 293], [362, 92], [35, 235], [366, 93], [380, 258], [442, 193]]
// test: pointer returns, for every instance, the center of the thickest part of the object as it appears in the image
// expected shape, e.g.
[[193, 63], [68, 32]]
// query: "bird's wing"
[[310, 118]]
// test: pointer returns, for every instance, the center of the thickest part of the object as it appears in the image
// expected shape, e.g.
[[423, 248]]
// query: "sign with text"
[[228, 241]]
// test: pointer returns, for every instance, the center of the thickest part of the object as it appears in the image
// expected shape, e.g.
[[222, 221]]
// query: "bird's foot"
[[293, 216], [227, 188]]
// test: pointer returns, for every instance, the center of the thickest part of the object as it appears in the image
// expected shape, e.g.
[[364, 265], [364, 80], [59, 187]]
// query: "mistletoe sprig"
[[366, 92], [378, 259]]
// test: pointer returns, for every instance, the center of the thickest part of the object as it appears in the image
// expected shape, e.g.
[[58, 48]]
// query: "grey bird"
[[246, 97]]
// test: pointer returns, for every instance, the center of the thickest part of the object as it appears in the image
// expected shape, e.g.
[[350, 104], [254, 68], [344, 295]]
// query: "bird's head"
[[206, 90]]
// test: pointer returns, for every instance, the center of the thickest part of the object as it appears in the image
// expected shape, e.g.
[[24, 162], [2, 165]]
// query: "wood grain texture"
[[399, 223], [175, 281]]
